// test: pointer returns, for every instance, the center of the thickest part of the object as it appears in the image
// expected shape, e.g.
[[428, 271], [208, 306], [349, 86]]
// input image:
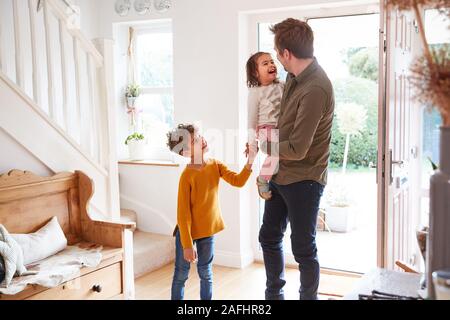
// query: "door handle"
[[400, 163]]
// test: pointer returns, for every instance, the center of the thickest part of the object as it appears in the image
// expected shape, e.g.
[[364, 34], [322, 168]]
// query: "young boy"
[[198, 214]]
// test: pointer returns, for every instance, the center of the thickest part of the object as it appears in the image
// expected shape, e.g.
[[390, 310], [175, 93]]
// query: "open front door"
[[397, 161]]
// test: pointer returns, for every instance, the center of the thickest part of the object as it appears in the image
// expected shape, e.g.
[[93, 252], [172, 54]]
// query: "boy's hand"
[[190, 255], [250, 152]]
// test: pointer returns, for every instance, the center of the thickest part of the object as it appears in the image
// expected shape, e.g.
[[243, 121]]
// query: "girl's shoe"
[[263, 188]]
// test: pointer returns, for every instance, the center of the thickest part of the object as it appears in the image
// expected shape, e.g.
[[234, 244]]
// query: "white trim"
[[151, 90], [344, 8], [232, 259], [160, 26]]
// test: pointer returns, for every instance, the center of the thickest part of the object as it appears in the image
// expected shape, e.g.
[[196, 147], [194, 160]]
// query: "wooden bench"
[[28, 202]]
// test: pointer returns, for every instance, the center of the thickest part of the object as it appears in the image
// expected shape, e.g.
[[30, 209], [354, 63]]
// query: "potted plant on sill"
[[340, 216], [136, 146]]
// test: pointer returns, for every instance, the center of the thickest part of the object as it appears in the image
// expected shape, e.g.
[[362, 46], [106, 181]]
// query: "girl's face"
[[267, 70]]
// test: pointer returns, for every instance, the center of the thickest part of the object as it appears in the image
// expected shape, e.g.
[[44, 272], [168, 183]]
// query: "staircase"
[[56, 94], [150, 251]]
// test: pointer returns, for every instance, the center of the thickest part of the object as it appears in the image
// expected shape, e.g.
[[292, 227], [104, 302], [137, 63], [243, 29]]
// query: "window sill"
[[157, 163]]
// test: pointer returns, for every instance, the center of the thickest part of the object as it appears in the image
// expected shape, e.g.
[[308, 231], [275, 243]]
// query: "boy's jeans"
[[297, 203], [205, 252]]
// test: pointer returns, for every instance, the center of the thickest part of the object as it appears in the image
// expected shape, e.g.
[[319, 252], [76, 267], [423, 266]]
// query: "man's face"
[[282, 57]]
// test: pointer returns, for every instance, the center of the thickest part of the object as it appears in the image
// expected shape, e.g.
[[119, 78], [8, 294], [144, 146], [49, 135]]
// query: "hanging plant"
[[132, 92]]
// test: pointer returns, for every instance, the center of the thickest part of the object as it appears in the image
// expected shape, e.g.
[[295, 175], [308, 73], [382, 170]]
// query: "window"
[[154, 72]]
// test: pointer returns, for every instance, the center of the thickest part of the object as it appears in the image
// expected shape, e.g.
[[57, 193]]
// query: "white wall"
[[210, 50], [14, 156], [89, 17]]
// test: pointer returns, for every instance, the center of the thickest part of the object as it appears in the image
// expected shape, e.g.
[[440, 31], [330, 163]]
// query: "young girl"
[[264, 98], [198, 214]]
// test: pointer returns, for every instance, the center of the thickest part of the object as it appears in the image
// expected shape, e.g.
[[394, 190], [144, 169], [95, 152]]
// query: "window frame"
[[157, 26]]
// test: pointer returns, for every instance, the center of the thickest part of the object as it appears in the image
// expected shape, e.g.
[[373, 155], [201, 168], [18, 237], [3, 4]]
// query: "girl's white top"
[[264, 106]]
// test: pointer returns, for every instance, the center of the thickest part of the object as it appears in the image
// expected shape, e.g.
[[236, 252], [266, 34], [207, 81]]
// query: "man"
[[304, 125]]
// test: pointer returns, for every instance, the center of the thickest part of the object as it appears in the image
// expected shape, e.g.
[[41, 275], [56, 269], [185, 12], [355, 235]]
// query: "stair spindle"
[[65, 83], [51, 91], [37, 94], [18, 54]]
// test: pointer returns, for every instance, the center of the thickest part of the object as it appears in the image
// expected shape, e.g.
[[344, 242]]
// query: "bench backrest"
[[28, 202]]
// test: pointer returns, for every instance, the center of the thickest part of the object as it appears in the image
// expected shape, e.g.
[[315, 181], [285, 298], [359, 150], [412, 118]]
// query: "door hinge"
[[384, 45], [383, 167]]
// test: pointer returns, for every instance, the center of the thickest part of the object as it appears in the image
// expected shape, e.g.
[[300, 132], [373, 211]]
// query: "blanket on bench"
[[57, 269]]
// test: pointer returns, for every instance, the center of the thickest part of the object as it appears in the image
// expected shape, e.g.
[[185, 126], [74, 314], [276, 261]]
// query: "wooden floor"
[[238, 284]]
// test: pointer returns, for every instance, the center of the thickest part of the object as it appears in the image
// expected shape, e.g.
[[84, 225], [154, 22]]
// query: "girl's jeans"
[[205, 252]]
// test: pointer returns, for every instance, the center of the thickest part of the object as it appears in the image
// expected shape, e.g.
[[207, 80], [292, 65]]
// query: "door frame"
[[382, 132], [329, 10]]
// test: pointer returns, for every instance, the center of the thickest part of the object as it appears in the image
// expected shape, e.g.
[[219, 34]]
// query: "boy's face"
[[196, 148]]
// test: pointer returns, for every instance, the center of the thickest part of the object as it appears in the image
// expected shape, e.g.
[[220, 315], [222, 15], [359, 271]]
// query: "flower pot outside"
[[340, 219], [136, 149], [438, 243]]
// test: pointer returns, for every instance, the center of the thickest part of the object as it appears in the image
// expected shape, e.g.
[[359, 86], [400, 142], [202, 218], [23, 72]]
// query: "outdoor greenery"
[[363, 63], [359, 88]]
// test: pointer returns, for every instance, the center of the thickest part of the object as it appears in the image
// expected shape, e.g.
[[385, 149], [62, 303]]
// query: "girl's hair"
[[252, 70]]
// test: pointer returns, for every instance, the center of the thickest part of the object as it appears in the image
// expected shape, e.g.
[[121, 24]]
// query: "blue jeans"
[[205, 252], [297, 203]]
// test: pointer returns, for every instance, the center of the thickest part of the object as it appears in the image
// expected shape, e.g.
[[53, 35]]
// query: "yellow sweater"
[[198, 213]]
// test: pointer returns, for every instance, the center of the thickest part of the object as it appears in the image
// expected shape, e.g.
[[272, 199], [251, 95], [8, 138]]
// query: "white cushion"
[[45, 242]]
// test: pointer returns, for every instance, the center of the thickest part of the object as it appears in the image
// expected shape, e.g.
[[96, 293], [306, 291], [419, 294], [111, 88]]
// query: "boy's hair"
[[252, 70], [179, 138], [295, 36]]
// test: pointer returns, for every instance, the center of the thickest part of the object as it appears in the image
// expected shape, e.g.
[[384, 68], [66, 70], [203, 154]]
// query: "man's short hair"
[[295, 36], [179, 138]]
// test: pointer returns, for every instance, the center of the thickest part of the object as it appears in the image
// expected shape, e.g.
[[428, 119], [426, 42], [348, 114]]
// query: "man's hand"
[[190, 255]]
